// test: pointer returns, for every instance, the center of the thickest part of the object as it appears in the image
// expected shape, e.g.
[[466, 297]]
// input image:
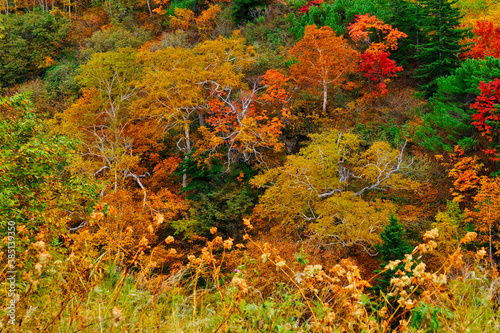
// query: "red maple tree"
[[487, 117], [379, 68], [305, 9]]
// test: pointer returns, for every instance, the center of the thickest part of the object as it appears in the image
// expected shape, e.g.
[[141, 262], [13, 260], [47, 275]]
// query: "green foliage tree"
[[449, 122], [30, 43], [2, 28], [242, 8], [325, 15], [39, 186], [187, 4], [218, 198], [59, 80], [335, 15], [405, 15], [113, 39], [394, 246], [440, 47]]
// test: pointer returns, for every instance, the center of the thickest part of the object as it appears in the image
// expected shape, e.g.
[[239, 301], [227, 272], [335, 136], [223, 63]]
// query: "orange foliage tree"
[[323, 59], [248, 123], [466, 178], [486, 42], [113, 152], [485, 216], [375, 62], [206, 21], [182, 19], [360, 32]]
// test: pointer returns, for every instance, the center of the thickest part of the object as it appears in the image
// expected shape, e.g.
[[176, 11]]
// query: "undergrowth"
[[221, 289]]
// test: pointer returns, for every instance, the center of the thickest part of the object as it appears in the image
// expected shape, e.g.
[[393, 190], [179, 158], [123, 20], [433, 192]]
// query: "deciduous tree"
[[323, 60], [172, 92], [485, 215], [41, 190], [361, 31], [487, 116], [326, 189], [486, 41], [102, 114], [178, 82], [248, 123], [375, 62], [29, 46], [379, 68], [206, 21], [182, 19]]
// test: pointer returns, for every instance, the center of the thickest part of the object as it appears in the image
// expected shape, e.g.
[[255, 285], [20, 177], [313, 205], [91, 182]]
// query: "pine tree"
[[394, 243], [394, 247], [241, 9], [438, 53], [405, 15], [449, 122]]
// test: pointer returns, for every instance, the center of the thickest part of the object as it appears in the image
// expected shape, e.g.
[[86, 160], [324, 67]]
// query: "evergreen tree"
[[394, 247], [405, 15], [449, 122], [217, 197], [242, 8], [438, 53]]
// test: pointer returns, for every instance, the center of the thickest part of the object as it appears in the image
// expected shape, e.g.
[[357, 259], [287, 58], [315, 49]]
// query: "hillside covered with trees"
[[250, 166]]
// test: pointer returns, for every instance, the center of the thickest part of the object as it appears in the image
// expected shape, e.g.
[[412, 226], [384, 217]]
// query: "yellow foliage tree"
[[206, 21], [103, 121], [177, 83], [182, 19], [452, 227], [328, 188], [478, 10], [100, 117]]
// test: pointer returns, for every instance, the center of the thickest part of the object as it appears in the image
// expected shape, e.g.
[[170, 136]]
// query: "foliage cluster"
[[140, 138]]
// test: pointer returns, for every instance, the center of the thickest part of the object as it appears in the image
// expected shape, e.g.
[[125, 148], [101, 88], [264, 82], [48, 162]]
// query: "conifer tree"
[[405, 15], [394, 246], [449, 122], [438, 53]]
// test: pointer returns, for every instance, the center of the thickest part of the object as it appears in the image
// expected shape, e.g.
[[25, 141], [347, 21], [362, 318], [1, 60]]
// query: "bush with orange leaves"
[[121, 227]]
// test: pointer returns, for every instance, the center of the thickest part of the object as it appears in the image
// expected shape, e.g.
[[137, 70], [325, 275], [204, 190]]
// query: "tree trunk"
[[202, 119], [188, 152], [325, 96]]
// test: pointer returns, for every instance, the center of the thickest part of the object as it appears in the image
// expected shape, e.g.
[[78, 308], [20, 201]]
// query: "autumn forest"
[[250, 166]]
